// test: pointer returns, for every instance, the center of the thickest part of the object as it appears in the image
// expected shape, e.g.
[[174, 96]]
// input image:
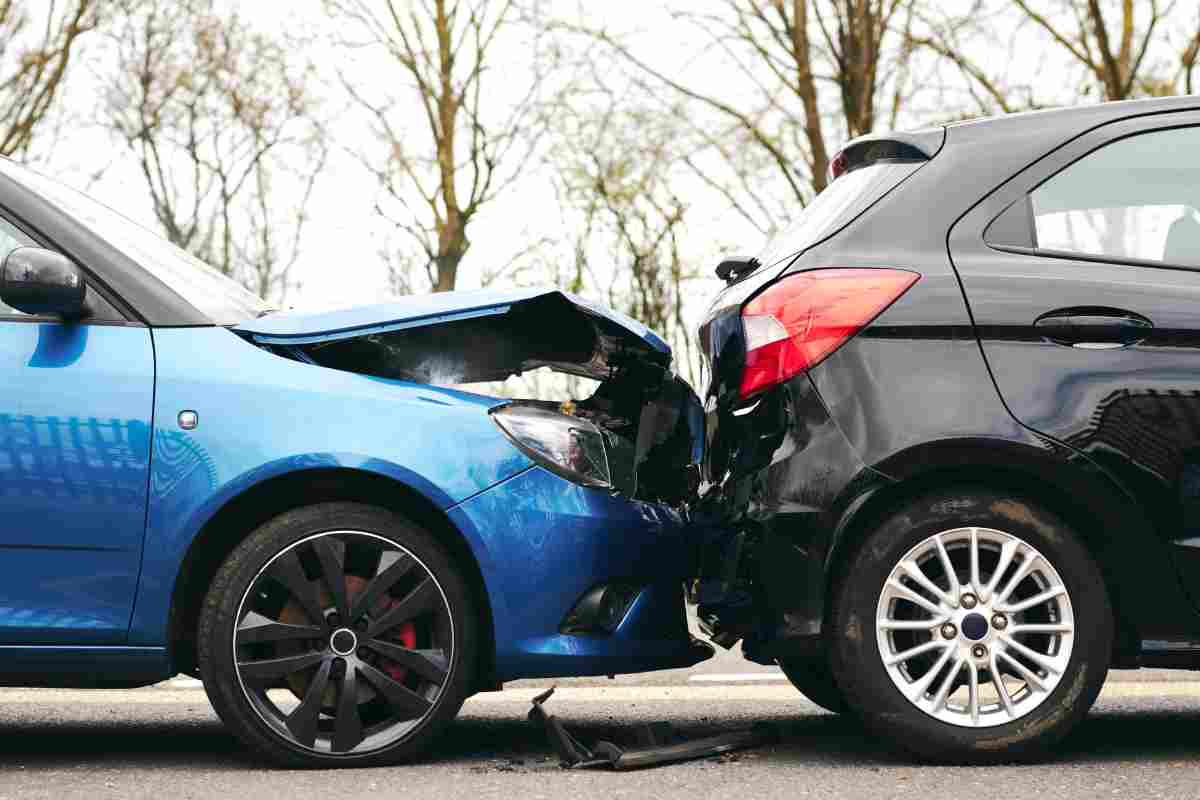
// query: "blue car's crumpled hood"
[[472, 336]]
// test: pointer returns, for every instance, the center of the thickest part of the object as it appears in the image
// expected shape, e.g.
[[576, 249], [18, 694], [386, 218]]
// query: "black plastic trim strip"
[[1095, 259]]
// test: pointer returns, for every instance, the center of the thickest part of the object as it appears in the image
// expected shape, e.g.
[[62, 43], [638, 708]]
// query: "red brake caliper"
[[406, 635]]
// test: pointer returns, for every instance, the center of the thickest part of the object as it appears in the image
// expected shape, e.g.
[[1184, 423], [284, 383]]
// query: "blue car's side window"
[[10, 239], [100, 309]]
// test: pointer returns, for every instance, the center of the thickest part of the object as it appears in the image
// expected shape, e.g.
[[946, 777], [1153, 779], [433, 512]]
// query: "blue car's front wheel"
[[338, 634]]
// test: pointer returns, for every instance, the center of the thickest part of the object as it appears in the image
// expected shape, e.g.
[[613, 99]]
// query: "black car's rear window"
[[837, 205]]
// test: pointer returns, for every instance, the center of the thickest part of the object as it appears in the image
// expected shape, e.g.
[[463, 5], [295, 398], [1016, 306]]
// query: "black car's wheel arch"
[[1115, 532], [241, 515]]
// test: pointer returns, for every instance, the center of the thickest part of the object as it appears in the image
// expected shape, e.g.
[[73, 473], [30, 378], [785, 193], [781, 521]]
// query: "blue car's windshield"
[[220, 298]]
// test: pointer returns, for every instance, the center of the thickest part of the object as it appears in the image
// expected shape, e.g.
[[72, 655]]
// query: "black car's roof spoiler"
[[919, 145]]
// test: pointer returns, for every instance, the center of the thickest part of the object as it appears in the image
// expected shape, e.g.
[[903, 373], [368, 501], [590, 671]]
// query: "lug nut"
[[949, 631], [979, 651], [969, 601], [999, 622]]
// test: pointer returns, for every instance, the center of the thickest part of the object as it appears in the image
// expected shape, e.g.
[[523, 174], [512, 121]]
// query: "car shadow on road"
[[503, 744]]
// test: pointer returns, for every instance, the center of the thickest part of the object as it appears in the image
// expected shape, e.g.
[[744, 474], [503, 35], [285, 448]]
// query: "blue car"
[[296, 509]]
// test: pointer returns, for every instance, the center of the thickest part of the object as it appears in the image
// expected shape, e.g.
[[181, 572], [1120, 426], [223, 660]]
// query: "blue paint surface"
[[263, 416], [74, 461], [543, 542], [102, 494]]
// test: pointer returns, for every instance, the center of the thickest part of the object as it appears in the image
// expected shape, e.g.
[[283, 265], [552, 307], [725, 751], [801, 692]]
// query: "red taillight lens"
[[794, 324]]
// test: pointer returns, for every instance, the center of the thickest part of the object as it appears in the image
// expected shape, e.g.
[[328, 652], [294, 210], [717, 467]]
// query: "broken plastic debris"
[[658, 743]]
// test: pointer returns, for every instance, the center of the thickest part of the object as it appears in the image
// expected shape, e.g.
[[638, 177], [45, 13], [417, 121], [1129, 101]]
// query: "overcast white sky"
[[340, 264]]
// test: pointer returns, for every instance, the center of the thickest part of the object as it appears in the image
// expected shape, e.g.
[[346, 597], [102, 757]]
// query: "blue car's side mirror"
[[40, 281]]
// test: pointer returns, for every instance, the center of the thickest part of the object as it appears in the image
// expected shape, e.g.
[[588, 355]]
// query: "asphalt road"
[[1142, 740]]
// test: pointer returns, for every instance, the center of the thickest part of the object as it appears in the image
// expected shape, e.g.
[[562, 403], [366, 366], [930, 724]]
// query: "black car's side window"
[[10, 239], [1135, 199]]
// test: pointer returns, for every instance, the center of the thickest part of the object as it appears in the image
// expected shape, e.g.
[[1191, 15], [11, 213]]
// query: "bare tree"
[[1111, 42], [953, 39], [35, 55], [1108, 45], [787, 52], [1187, 59], [438, 174], [270, 243], [221, 126], [616, 166]]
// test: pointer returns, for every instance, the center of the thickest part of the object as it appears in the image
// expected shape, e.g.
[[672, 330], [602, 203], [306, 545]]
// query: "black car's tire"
[[813, 677], [867, 616], [408, 661]]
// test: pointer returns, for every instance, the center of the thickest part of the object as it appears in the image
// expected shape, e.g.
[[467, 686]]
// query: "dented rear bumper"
[[792, 483]]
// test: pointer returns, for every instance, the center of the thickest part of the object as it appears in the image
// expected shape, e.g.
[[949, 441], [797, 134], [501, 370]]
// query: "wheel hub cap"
[[1012, 614], [974, 627], [343, 642]]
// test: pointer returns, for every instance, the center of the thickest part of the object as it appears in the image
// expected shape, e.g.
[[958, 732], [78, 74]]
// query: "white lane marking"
[[740, 677], [166, 693], [775, 692], [185, 683]]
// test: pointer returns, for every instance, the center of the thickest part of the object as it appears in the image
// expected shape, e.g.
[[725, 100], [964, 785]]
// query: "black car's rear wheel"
[[813, 677], [337, 634], [972, 627]]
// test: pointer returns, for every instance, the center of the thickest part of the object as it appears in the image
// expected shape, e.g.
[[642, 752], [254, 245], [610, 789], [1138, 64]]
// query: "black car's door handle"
[[1093, 328]]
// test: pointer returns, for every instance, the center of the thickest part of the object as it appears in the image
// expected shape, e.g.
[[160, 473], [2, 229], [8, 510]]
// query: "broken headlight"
[[568, 446]]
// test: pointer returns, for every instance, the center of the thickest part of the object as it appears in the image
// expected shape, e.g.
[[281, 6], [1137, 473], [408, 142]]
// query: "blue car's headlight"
[[568, 446]]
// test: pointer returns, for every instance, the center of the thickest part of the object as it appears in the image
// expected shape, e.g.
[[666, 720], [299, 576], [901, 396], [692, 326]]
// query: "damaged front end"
[[640, 434], [587, 554], [633, 436]]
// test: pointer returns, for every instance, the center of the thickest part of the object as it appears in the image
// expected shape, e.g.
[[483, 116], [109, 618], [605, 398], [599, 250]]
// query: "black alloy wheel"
[[344, 643]]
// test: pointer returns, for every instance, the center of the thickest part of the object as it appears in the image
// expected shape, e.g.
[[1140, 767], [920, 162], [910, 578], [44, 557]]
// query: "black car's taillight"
[[794, 324]]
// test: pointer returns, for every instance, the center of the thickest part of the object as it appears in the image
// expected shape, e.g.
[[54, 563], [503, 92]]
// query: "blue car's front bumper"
[[542, 542]]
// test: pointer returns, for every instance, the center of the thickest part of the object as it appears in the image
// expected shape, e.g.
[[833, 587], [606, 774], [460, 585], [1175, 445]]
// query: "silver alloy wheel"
[[975, 627], [344, 643]]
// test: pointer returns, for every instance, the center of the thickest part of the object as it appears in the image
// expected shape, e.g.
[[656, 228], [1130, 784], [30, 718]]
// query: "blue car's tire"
[[338, 634]]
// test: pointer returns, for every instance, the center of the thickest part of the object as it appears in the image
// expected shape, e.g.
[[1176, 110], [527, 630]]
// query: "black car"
[[954, 421]]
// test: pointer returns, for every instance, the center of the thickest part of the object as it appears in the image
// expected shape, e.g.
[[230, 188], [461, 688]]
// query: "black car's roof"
[[1013, 137], [1093, 114]]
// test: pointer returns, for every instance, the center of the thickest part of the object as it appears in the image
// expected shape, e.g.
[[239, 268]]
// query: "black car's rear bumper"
[[792, 479]]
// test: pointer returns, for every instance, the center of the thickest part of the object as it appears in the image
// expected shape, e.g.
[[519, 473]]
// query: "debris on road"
[[658, 743]]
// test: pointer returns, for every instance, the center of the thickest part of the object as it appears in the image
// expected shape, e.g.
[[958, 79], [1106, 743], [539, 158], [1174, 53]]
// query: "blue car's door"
[[75, 405]]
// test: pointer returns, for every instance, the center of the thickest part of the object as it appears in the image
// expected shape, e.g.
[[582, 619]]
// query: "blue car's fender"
[[262, 416]]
